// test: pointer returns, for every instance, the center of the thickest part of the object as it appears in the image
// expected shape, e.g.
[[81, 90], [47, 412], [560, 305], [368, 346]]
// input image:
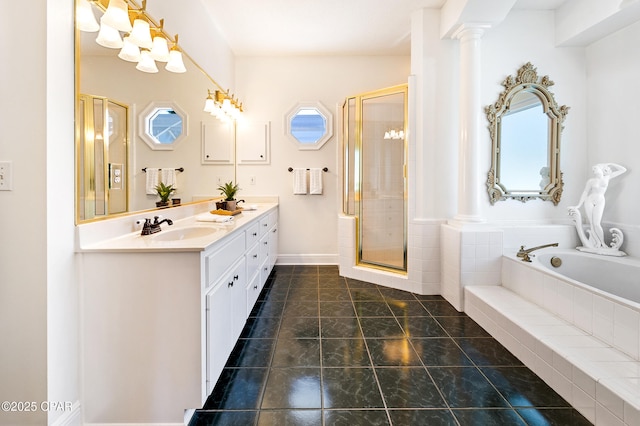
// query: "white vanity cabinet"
[[161, 317], [235, 272]]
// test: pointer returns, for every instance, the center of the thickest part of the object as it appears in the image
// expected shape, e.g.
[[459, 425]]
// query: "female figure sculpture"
[[593, 199]]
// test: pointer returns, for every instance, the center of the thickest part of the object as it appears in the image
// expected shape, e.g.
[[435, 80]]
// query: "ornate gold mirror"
[[525, 124]]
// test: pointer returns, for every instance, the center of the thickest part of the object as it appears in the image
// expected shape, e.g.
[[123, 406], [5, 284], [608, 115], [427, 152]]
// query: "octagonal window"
[[309, 125], [163, 125]]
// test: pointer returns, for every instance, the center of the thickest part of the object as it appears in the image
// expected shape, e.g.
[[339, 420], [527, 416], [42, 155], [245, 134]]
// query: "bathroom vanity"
[[161, 313]]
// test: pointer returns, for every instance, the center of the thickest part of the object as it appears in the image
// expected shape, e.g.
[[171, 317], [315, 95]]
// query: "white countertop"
[[134, 242]]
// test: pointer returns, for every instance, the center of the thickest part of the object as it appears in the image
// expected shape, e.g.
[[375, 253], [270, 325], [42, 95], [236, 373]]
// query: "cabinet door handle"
[[274, 230], [255, 287], [230, 284], [266, 242], [255, 234], [264, 224], [255, 256], [235, 278]]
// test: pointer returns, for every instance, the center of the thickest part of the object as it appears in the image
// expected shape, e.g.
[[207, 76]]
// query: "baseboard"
[[72, 417], [307, 259]]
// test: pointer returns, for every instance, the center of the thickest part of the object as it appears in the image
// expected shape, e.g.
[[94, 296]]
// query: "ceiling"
[[324, 27]]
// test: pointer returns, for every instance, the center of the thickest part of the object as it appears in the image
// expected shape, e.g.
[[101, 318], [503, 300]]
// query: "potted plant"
[[164, 192], [229, 191]]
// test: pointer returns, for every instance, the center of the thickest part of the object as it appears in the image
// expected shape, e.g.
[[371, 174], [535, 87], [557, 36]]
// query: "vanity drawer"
[[220, 260], [253, 260], [253, 234]]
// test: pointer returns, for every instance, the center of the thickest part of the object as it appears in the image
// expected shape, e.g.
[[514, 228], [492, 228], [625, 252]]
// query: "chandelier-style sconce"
[[144, 42], [394, 134], [222, 105]]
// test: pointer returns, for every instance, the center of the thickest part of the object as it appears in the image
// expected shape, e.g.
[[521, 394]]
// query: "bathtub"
[[576, 326], [598, 294], [614, 277]]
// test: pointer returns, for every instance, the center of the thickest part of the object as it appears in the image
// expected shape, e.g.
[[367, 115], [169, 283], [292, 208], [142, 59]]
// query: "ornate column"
[[469, 181]]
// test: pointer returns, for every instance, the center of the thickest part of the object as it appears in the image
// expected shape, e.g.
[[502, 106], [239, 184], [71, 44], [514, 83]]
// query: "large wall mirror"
[[169, 105], [525, 124]]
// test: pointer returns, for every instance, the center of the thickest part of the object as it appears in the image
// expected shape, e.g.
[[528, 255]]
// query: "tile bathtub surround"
[[319, 349]]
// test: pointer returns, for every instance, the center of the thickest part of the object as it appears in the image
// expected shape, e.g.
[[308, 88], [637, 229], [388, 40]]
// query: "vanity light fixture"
[[145, 34], [175, 63], [108, 36], [160, 49], [223, 106], [129, 52], [146, 62], [85, 18], [394, 134], [117, 15]]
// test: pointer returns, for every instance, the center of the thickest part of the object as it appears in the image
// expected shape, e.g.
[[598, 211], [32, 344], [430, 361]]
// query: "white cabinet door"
[[218, 325]]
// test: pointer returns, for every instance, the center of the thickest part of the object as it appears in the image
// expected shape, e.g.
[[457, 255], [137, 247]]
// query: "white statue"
[[593, 200]]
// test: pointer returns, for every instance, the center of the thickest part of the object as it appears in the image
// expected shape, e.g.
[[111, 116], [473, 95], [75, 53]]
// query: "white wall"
[[270, 87], [38, 287], [505, 49], [613, 110]]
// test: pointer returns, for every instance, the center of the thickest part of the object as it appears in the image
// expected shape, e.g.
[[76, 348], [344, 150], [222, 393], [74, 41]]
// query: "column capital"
[[470, 30]]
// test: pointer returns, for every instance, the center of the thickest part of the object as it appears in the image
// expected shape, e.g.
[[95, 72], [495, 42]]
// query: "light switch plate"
[[6, 175]]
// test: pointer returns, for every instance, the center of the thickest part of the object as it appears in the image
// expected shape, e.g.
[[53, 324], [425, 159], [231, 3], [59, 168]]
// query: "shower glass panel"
[[375, 180], [102, 157]]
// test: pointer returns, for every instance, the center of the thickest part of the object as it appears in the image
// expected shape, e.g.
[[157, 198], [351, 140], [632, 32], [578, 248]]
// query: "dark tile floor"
[[319, 349]]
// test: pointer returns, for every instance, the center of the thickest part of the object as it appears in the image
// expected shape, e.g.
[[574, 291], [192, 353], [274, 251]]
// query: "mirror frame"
[[526, 79], [328, 130], [144, 119]]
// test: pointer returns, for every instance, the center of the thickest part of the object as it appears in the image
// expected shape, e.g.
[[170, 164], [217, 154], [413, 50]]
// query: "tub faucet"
[[524, 253]]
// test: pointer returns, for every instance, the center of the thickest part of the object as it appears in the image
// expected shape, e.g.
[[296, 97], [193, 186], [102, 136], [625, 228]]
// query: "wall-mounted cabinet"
[[254, 142], [217, 143]]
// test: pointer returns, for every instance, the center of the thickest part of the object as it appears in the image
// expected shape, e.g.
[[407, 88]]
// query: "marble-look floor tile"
[[260, 328], [301, 309], [292, 388], [251, 353], [440, 351], [237, 389], [466, 387], [487, 351], [392, 352], [421, 327], [440, 308], [335, 327], [522, 388], [489, 417], [297, 353], [356, 417], [337, 309], [407, 308], [372, 309], [290, 417], [352, 387], [408, 387], [435, 417], [381, 327], [226, 418], [345, 353], [366, 294], [299, 328], [553, 417], [461, 326]]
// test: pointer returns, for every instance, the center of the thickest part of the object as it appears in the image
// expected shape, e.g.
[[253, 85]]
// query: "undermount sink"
[[184, 233]]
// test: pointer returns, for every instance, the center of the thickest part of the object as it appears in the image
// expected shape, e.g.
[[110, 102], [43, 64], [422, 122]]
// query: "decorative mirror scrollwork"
[[525, 125]]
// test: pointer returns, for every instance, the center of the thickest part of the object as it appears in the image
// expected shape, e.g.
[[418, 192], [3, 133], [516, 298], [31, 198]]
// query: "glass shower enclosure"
[[374, 179]]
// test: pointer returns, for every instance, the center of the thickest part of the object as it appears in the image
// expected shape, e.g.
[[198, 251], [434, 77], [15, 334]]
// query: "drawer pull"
[[255, 234], [266, 242], [255, 256], [265, 225], [235, 278], [230, 284], [255, 287]]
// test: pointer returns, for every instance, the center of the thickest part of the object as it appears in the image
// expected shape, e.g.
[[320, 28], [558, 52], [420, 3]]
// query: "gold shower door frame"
[[375, 180]]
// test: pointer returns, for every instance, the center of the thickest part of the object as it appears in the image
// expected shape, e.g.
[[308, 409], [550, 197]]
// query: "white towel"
[[152, 181], [168, 177], [299, 181], [315, 181], [208, 217]]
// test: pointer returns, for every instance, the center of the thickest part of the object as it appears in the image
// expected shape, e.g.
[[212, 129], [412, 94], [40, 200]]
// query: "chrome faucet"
[[151, 228], [524, 253]]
